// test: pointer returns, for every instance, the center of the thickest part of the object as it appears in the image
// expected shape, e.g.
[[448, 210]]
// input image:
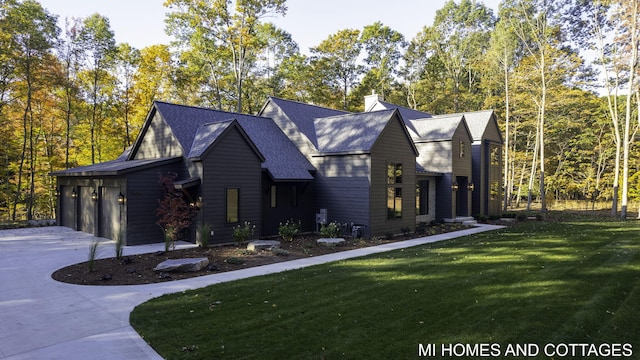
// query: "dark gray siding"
[[158, 141], [142, 193], [342, 187], [232, 164], [393, 146]]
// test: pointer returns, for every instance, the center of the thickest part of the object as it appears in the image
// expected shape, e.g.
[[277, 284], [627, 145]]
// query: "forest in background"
[[561, 76]]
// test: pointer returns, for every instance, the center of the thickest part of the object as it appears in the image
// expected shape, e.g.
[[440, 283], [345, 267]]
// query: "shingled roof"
[[351, 133], [437, 128], [303, 116], [195, 127], [116, 167], [478, 122]]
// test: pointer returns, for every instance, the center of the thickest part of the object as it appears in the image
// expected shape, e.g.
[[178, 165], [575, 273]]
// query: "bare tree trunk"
[[627, 123], [507, 192], [533, 169], [541, 131]]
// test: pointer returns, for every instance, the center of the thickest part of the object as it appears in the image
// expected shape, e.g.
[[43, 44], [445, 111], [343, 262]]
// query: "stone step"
[[459, 219]]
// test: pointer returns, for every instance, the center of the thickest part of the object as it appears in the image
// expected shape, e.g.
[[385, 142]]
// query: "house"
[[230, 166], [477, 189], [381, 171], [364, 163]]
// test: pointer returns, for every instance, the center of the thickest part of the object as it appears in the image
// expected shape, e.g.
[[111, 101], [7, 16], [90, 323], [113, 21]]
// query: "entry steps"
[[464, 220]]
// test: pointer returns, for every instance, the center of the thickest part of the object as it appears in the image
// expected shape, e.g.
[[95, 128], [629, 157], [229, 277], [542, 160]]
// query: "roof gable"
[[208, 135]]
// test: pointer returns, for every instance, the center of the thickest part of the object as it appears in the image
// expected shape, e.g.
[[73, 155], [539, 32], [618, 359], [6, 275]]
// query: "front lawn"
[[568, 282]]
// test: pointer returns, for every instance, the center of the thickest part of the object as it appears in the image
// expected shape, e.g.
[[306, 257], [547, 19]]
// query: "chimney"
[[371, 100]]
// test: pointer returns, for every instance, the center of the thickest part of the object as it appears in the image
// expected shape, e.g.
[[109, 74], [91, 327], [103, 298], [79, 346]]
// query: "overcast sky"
[[141, 22]]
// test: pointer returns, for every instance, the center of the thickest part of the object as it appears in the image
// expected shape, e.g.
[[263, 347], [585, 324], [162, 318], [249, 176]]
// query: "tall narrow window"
[[422, 198], [495, 156], [462, 149], [274, 196], [233, 205], [294, 196], [394, 191]]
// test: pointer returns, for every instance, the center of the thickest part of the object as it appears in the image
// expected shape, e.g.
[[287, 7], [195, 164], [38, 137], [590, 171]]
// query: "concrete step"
[[460, 219]]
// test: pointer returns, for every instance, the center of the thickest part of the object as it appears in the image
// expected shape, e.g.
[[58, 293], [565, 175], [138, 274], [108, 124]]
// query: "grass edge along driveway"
[[575, 281]]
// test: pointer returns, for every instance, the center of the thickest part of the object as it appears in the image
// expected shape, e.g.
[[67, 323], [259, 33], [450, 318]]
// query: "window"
[[233, 205], [462, 149], [494, 190], [422, 198], [394, 174], [274, 196], [294, 196], [394, 191], [495, 156]]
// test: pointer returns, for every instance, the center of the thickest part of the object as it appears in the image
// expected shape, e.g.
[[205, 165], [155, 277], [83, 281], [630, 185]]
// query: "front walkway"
[[41, 318]]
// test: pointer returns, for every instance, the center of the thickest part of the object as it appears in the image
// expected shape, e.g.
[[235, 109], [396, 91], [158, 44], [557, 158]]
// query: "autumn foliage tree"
[[174, 213]]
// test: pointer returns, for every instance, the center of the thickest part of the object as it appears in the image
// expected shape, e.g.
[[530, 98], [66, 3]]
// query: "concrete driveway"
[[41, 318]]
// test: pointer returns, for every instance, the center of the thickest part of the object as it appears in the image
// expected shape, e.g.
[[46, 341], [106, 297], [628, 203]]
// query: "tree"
[[384, 48], [335, 61], [70, 54], [459, 36], [532, 23], [98, 40], [33, 32], [630, 17], [229, 27], [501, 60], [127, 62], [174, 213]]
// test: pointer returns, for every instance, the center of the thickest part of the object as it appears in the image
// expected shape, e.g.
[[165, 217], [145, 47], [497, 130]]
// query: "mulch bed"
[[138, 269]]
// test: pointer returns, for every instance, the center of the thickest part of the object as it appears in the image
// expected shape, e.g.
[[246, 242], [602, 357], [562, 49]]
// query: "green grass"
[[574, 281]]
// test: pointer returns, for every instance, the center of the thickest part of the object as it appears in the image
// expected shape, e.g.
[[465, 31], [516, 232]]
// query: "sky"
[[141, 22]]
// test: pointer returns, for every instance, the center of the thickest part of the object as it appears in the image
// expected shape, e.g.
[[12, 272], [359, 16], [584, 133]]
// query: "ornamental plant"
[[174, 213], [331, 230], [289, 230], [242, 233]]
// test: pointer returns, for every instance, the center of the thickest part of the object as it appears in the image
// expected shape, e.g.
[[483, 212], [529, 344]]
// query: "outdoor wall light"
[[57, 192], [471, 187], [121, 199], [454, 186], [94, 195], [74, 194]]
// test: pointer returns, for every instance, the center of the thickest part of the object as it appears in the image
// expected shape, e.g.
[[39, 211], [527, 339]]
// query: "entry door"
[[462, 196]]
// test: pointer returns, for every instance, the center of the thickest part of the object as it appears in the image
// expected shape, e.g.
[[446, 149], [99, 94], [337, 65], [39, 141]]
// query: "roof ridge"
[[311, 105], [208, 109]]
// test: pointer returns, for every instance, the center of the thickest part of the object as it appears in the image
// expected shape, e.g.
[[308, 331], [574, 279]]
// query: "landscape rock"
[[263, 245], [331, 241], [182, 265]]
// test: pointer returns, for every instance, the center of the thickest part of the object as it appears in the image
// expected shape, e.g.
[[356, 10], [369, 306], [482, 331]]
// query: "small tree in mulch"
[[174, 213]]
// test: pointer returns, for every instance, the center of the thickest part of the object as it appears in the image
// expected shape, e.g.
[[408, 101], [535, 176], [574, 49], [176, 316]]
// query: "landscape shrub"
[[289, 230], [331, 230], [242, 233]]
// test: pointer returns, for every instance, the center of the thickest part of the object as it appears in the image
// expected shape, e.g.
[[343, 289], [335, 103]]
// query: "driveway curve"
[[41, 318]]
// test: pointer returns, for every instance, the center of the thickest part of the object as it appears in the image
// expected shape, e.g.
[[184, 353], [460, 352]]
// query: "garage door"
[[86, 210], [67, 210], [109, 212]]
